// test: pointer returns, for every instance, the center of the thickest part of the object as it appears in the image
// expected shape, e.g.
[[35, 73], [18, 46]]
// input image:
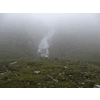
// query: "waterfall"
[[44, 44]]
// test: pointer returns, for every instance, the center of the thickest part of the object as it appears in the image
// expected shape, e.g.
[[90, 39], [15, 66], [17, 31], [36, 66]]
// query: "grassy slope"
[[53, 74]]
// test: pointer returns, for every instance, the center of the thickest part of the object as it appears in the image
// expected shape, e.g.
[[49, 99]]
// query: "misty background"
[[76, 36]]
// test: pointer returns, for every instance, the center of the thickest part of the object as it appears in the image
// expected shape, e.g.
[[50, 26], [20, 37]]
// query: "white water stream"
[[44, 45]]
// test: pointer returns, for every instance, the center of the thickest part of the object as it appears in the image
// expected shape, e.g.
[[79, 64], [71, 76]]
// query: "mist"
[[76, 35]]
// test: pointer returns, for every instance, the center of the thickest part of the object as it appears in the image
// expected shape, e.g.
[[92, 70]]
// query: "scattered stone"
[[59, 73], [83, 83], [9, 79], [65, 67], [64, 79], [51, 77], [49, 82], [70, 75], [2, 73], [52, 86], [13, 63], [37, 72], [80, 87], [96, 76], [38, 83], [27, 66], [97, 86], [28, 83], [45, 87], [55, 80]]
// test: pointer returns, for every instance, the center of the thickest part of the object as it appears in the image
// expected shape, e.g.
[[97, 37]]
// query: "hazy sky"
[[48, 21]]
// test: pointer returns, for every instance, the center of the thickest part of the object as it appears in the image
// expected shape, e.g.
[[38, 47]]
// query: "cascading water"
[[44, 45]]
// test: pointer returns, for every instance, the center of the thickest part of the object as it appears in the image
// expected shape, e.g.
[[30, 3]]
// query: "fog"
[[76, 34]]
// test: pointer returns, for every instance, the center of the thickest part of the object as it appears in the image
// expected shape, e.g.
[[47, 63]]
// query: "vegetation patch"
[[49, 73]]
